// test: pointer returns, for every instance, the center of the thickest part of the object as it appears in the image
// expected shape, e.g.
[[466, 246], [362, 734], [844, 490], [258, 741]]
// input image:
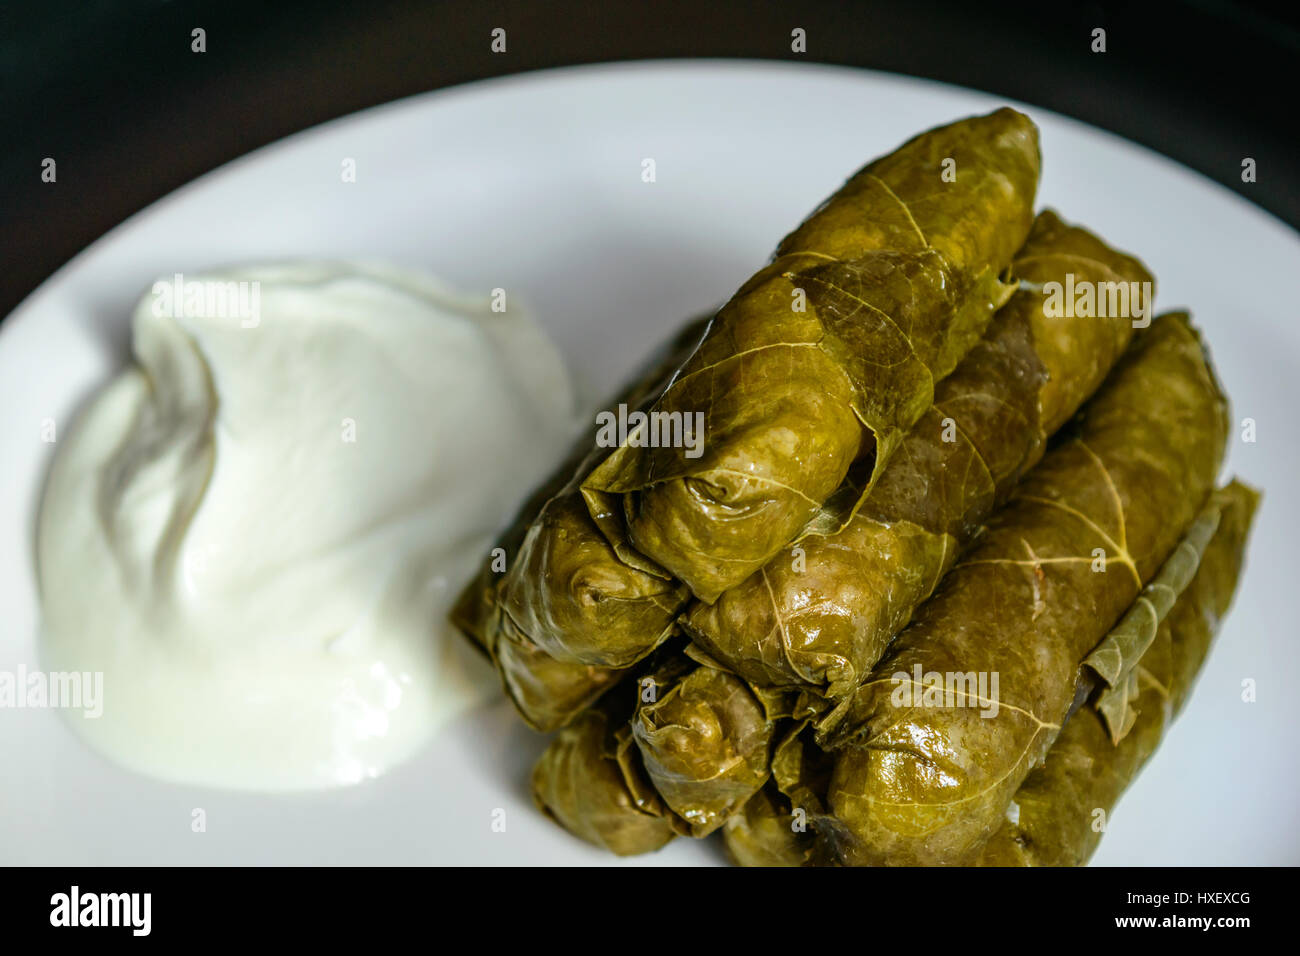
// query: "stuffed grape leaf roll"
[[927, 760], [590, 782], [591, 779], [705, 741], [820, 616], [827, 355], [767, 832], [562, 582], [1057, 816]]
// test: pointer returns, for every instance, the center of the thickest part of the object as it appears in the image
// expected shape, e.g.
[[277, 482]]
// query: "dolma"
[[827, 355], [548, 690], [589, 781], [478, 600], [1115, 662], [1054, 818], [932, 749], [705, 742], [787, 822], [767, 832], [577, 599], [576, 589], [821, 616], [826, 622]]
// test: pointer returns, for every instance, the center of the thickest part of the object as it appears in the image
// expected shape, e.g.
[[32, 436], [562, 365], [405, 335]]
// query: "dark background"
[[111, 90]]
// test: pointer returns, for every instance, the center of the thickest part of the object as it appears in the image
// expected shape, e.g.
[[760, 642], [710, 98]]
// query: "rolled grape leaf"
[[1056, 817], [1115, 659], [599, 601], [478, 602], [590, 782], [820, 615], [828, 354], [1117, 706], [767, 832], [802, 770], [475, 611], [576, 589], [578, 600], [546, 692], [972, 694], [705, 741]]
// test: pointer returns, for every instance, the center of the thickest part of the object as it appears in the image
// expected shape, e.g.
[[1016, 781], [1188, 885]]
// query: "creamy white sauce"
[[256, 531]]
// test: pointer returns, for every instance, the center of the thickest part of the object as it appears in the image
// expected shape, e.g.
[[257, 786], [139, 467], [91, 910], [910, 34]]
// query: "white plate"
[[533, 183]]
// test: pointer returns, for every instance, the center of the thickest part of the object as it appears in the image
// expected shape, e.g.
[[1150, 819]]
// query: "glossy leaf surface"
[[923, 777], [830, 352]]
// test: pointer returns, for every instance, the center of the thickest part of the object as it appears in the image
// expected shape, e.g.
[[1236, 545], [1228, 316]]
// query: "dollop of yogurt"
[[255, 532]]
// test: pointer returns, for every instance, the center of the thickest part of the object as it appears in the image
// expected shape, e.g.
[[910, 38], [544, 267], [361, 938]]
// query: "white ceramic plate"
[[533, 183]]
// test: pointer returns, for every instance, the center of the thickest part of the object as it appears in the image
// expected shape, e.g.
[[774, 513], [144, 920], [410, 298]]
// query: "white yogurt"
[[256, 531]]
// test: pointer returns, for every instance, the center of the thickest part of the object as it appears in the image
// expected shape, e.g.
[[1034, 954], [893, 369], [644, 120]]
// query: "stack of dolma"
[[948, 564]]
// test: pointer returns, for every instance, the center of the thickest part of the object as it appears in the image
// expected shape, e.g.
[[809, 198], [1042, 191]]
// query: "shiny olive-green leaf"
[[767, 832], [801, 770], [1114, 659], [926, 780], [569, 591], [705, 742], [821, 616], [477, 603], [582, 782], [1051, 820], [1117, 706], [549, 692], [898, 272]]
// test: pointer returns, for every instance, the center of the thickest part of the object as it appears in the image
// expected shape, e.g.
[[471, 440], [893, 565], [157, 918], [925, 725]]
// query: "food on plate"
[[922, 777], [704, 740], [766, 832], [947, 513], [553, 581], [1054, 818], [1116, 662], [826, 356], [821, 615], [581, 605], [546, 692], [480, 599], [256, 530], [589, 780], [821, 621], [577, 599], [1058, 815]]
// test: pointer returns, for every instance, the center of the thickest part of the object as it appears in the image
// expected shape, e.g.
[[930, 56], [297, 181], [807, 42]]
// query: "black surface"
[[113, 92]]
